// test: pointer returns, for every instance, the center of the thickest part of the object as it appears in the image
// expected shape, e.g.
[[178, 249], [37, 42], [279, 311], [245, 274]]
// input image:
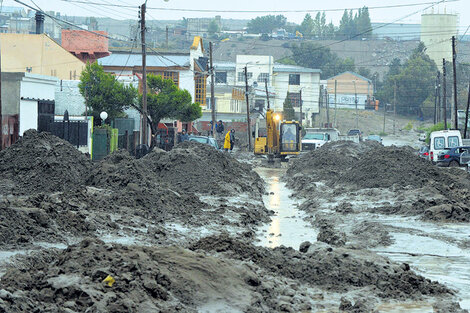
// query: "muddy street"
[[309, 235]]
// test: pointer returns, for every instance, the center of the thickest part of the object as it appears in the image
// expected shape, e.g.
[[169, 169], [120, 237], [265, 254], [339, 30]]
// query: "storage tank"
[[437, 30]]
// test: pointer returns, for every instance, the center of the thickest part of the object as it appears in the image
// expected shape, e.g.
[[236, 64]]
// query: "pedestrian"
[[219, 132], [183, 136], [227, 144], [232, 139]]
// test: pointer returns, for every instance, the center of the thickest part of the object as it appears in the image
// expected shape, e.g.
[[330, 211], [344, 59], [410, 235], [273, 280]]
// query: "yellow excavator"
[[282, 138]]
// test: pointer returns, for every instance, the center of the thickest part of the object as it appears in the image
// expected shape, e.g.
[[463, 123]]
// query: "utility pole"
[[247, 108], [1, 116], [439, 113], [385, 112], [394, 105], [212, 89], [327, 109], [336, 85], [144, 74], [167, 45], [444, 93], [454, 68], [435, 102], [466, 113], [301, 119], [267, 92], [355, 101]]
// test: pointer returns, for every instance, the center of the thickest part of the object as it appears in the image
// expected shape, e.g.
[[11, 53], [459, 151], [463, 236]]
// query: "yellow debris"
[[109, 280]]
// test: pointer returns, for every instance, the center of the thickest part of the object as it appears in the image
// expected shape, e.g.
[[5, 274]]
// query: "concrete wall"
[[68, 97], [28, 115], [256, 64], [11, 93], [347, 101], [39, 53], [436, 33]]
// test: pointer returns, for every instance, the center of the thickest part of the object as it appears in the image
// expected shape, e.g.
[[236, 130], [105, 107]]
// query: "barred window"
[[262, 77], [200, 88], [174, 76], [241, 76]]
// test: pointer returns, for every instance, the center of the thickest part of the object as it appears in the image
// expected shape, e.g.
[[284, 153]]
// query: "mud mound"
[[47, 218], [196, 167], [147, 279], [41, 162], [119, 169], [330, 160], [334, 269], [388, 166]]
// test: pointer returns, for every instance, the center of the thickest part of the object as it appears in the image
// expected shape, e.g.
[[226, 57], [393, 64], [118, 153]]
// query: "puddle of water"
[[405, 307], [287, 226]]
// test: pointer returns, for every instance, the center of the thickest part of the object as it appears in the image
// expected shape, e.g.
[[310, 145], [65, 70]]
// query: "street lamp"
[[103, 116]]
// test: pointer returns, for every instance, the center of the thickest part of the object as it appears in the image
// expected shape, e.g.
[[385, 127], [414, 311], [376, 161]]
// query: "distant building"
[[85, 45], [436, 34], [13, 11], [185, 69], [38, 54], [349, 87], [283, 81], [396, 31], [200, 26], [27, 102]]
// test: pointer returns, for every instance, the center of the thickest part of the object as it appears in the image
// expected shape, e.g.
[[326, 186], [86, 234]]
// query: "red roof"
[[84, 44]]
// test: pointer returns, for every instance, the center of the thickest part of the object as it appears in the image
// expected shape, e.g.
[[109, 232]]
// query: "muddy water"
[[287, 226]]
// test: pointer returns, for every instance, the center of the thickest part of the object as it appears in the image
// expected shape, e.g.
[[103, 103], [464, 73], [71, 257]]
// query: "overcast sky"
[[462, 7]]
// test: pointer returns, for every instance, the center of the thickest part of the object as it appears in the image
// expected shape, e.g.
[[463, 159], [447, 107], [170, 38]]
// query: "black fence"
[[75, 132]]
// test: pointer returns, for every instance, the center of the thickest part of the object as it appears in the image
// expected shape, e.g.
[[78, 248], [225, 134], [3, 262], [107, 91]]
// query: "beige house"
[[349, 87], [38, 54]]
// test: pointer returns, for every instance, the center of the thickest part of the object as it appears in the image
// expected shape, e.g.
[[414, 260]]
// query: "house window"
[[294, 79], [220, 77], [263, 77], [174, 76], [294, 99], [200, 88], [241, 76]]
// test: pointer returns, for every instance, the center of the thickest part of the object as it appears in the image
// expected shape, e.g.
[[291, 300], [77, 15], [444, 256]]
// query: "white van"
[[443, 139]]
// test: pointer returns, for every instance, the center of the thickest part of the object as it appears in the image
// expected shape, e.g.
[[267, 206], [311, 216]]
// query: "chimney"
[[39, 23]]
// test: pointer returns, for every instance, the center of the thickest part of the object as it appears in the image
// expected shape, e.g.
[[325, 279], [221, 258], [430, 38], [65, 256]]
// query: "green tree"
[[288, 111], [363, 71], [166, 100], [363, 23], [102, 92], [414, 80], [306, 27], [312, 55], [213, 27], [266, 24]]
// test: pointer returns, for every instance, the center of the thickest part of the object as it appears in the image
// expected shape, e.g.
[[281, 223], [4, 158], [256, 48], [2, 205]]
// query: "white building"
[[283, 81]]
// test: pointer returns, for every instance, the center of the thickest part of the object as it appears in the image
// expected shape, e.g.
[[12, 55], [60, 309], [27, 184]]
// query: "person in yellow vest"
[[229, 140]]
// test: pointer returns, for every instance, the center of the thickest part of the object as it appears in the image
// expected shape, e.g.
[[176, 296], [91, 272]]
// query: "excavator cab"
[[290, 141]]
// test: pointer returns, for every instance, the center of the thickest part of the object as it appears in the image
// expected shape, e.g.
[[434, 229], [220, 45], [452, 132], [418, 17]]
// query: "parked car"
[[451, 156], [355, 132], [374, 138], [443, 139], [205, 140], [424, 152]]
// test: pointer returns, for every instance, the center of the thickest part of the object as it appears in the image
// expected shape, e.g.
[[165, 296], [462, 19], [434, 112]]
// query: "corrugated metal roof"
[[294, 69], [131, 60]]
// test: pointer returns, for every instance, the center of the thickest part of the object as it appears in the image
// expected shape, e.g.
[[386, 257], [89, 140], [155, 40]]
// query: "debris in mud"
[[147, 279], [371, 234], [333, 269], [41, 162], [328, 234]]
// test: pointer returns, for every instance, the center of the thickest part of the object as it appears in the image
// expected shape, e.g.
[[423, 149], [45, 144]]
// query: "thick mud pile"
[[146, 279], [348, 167], [41, 162], [332, 269], [190, 167]]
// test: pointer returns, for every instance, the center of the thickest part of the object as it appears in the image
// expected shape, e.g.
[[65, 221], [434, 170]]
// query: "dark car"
[[355, 132], [451, 156], [424, 152], [204, 139]]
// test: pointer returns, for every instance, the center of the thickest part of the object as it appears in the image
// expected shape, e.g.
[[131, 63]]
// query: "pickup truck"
[[313, 140]]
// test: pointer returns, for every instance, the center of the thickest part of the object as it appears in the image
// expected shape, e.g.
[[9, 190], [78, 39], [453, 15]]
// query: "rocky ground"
[[176, 231]]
